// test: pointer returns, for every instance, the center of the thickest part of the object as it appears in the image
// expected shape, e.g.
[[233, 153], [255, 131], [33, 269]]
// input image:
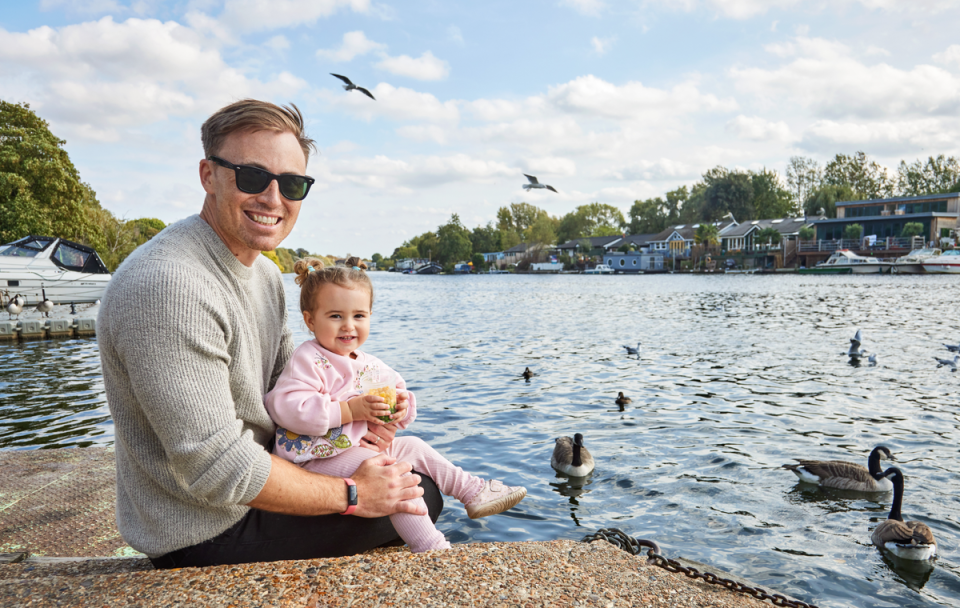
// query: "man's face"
[[251, 223]]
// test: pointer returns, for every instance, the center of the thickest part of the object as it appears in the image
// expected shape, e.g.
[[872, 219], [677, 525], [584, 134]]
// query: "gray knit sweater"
[[190, 341]]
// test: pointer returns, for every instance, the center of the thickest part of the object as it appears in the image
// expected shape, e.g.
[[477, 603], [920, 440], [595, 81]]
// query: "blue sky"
[[607, 101]]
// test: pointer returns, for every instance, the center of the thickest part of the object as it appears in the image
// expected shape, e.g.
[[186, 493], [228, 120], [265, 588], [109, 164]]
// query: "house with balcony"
[[590, 245], [677, 241], [742, 246]]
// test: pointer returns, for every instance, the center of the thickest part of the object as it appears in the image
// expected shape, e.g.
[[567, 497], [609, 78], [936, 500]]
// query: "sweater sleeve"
[[301, 402], [174, 350]]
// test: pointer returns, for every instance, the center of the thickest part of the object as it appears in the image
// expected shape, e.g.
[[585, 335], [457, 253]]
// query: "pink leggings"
[[417, 530]]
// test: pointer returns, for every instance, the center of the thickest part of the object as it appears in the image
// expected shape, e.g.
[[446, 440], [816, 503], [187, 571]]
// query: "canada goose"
[[571, 457], [536, 184], [527, 373], [855, 352], [846, 475], [15, 306], [905, 539], [623, 400], [951, 363], [349, 86], [45, 305], [633, 351]]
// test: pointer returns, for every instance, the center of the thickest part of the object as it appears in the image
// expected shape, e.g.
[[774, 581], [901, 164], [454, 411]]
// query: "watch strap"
[[351, 496]]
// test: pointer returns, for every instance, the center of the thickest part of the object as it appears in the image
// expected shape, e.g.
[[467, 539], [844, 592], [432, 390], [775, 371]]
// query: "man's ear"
[[206, 176]]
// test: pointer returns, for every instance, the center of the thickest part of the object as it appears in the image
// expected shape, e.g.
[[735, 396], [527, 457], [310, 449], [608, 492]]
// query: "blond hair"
[[355, 262], [312, 275], [253, 115]]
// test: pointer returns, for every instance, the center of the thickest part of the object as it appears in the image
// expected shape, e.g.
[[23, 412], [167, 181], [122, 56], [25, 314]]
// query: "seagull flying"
[[535, 184], [855, 351], [349, 86], [951, 363]]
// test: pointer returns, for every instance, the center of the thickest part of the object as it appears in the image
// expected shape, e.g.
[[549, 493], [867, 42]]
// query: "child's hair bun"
[[355, 262], [304, 267]]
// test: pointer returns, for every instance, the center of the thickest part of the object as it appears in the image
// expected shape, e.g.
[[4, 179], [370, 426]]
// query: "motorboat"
[[844, 261], [431, 268], [912, 263], [68, 272], [946, 263], [599, 269]]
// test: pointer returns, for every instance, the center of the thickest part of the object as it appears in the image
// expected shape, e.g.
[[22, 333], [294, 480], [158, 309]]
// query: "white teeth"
[[263, 219]]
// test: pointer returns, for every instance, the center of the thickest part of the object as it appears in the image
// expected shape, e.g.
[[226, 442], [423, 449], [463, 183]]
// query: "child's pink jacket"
[[304, 403]]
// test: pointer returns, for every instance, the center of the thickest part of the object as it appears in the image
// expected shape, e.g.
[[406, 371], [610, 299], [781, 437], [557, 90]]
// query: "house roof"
[[521, 248], [638, 239], [785, 226], [595, 241], [901, 199]]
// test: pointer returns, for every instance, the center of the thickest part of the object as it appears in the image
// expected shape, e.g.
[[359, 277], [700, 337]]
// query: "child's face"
[[340, 319]]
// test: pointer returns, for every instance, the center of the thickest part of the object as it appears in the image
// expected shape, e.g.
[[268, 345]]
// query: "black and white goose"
[[845, 475], [571, 457], [905, 539], [349, 86], [536, 184], [15, 305], [951, 363], [45, 305]]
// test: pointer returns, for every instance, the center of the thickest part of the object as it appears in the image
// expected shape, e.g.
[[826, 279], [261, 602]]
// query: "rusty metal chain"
[[633, 546]]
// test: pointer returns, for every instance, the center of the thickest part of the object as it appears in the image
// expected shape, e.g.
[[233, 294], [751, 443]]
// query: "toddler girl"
[[321, 415]]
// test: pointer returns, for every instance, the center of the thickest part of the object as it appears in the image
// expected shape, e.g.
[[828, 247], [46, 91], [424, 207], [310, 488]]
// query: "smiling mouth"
[[346, 338], [263, 220]]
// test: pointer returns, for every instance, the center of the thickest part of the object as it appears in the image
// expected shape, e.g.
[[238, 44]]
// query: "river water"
[[736, 376]]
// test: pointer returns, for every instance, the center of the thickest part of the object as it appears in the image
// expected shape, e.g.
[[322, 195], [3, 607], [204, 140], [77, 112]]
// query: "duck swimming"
[[622, 399]]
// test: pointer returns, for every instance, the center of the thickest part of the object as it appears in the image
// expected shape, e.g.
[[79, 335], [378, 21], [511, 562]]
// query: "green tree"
[[376, 258], [272, 256], [648, 217], [541, 234], [852, 232], [593, 219], [807, 233], [486, 239], [40, 189], [768, 236], [804, 175], [453, 242], [478, 264], [285, 257], [518, 217], [147, 228], [911, 229], [727, 192], [825, 197], [936, 175], [707, 234], [771, 199], [866, 178]]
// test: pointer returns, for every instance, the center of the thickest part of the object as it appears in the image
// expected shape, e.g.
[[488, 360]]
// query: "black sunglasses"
[[254, 180]]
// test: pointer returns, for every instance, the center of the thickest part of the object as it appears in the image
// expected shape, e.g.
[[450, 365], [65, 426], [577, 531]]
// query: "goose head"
[[879, 453]]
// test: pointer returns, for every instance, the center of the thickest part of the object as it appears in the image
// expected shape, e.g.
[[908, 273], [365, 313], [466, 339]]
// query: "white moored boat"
[[844, 261], [946, 263], [912, 263], [68, 272]]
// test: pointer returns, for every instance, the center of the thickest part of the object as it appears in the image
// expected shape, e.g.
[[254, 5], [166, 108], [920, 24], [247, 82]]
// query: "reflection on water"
[[735, 376]]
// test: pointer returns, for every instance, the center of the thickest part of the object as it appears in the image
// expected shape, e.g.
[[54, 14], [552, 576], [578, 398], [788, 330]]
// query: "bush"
[[523, 265], [911, 229], [807, 233], [853, 232]]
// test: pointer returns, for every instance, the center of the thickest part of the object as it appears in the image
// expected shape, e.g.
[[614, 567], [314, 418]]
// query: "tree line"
[[807, 188]]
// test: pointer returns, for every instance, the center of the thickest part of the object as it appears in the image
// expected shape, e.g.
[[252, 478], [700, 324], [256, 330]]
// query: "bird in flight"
[[535, 184], [349, 86]]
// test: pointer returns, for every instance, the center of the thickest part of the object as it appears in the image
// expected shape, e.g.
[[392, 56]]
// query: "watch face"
[[352, 495]]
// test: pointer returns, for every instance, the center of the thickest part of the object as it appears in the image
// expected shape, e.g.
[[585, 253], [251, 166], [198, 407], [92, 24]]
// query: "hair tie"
[[356, 268], [311, 269]]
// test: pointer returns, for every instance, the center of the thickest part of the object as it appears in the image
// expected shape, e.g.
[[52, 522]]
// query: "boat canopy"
[[65, 254]]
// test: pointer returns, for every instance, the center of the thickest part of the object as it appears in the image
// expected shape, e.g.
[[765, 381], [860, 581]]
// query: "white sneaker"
[[494, 498]]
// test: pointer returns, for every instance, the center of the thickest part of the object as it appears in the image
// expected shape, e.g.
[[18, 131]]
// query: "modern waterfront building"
[[886, 217]]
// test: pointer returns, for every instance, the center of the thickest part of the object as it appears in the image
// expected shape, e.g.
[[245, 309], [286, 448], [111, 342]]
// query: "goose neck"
[[897, 478], [576, 462]]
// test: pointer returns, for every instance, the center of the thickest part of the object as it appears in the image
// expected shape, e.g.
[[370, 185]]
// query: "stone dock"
[[60, 547]]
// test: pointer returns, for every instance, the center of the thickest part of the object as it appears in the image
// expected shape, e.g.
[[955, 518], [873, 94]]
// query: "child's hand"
[[368, 407], [403, 403]]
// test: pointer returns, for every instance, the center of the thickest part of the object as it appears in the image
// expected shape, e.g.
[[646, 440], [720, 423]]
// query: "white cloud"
[[602, 45], [825, 78], [395, 103], [877, 51], [586, 7], [660, 169], [278, 43], [99, 76], [755, 128], [258, 15], [950, 57], [432, 133], [880, 137], [416, 172], [455, 35], [354, 44], [425, 67], [548, 166], [745, 9]]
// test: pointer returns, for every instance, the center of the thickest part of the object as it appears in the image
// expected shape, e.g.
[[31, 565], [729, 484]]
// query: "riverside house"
[[741, 244], [677, 241], [590, 245]]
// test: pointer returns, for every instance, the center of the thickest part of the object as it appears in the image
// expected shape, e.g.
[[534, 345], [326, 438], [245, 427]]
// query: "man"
[[192, 333]]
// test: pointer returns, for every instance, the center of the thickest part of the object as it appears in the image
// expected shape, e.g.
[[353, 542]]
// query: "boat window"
[[19, 252], [72, 258]]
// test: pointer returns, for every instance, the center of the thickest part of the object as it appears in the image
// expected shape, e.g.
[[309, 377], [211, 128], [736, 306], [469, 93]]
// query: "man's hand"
[[378, 437], [385, 487]]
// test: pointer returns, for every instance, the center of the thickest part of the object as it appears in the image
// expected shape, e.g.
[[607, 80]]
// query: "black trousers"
[[262, 536]]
